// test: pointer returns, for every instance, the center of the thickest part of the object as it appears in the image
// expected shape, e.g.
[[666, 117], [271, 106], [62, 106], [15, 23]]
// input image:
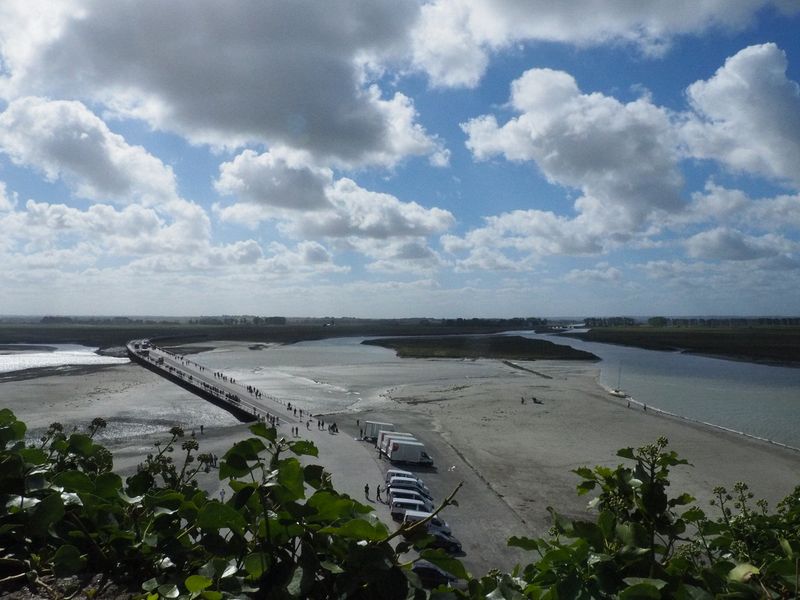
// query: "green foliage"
[[645, 544], [285, 532]]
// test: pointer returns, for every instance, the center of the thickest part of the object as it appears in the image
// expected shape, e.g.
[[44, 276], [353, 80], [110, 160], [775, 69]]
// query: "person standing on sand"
[[366, 490]]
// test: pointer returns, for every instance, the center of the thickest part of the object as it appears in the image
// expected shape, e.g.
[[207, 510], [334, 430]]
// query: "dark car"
[[430, 575], [445, 541]]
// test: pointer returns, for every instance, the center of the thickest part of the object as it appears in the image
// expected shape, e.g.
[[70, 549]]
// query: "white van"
[[411, 484], [398, 507], [398, 493], [435, 524], [399, 473]]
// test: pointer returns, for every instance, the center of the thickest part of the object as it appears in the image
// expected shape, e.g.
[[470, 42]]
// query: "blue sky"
[[399, 158]]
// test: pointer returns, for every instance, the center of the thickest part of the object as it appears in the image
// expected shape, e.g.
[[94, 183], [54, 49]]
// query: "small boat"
[[617, 391]]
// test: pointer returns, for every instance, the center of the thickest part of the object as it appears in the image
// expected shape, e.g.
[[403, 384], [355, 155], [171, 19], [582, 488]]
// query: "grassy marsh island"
[[777, 345], [509, 347]]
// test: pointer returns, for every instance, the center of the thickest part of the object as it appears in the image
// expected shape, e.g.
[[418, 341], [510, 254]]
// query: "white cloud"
[[6, 203], [281, 178], [600, 274], [308, 202], [66, 140], [622, 157], [280, 73], [454, 38], [404, 255], [747, 115], [718, 204], [723, 243]]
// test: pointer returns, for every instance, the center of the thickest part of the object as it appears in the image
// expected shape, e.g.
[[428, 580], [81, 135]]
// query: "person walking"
[[378, 493], [366, 490]]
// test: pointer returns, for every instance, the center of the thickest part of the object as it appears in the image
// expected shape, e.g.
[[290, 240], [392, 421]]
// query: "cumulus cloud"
[[309, 202], [65, 140], [622, 157], [600, 274], [280, 73], [747, 115], [723, 243], [6, 203], [281, 178], [454, 38], [718, 204]]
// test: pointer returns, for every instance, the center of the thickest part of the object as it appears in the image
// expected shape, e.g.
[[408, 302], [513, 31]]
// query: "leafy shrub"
[[286, 533]]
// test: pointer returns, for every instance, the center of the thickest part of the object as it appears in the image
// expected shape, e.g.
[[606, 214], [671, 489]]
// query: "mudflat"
[[514, 458]]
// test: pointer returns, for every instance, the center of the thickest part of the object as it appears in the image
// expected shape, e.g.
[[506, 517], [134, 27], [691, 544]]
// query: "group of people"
[[378, 491]]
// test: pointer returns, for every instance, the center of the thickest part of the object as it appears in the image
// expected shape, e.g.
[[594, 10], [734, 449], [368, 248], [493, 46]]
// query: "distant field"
[[105, 336], [495, 346], [756, 344]]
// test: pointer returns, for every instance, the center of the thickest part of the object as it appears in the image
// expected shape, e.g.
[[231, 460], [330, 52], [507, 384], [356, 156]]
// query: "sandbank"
[[514, 458]]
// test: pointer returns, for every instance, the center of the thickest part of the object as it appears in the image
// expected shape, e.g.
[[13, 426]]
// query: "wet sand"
[[515, 459]]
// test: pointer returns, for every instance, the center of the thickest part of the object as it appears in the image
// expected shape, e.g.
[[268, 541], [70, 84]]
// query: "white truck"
[[380, 441], [390, 437], [408, 451], [372, 428]]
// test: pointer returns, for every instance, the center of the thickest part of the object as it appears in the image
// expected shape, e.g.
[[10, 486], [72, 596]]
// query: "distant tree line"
[[610, 322], [50, 320], [243, 320], [695, 322], [516, 322]]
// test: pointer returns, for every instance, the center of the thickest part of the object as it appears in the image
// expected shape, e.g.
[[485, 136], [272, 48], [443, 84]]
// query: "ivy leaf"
[[359, 529], [290, 475], [80, 443], [12, 432], [256, 563], [48, 511], [169, 590], [197, 583], [67, 561], [107, 485], [75, 481], [525, 543], [216, 515], [261, 430], [743, 572], [640, 591], [445, 562], [302, 447], [331, 567]]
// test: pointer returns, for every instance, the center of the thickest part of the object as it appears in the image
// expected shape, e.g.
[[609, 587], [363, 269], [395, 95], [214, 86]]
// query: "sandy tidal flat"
[[514, 458]]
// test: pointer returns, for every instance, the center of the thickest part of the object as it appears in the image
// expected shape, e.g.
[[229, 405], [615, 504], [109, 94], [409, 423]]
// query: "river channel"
[[760, 400]]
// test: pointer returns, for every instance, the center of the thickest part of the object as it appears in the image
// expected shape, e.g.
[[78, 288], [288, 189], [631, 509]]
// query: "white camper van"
[[435, 524], [398, 507], [406, 494], [410, 484], [407, 451], [372, 428]]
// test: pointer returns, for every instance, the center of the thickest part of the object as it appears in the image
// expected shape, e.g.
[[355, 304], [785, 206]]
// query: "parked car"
[[397, 493], [430, 575], [435, 524], [399, 506]]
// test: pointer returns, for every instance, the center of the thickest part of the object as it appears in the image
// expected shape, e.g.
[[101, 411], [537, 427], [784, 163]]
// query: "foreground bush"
[[286, 533]]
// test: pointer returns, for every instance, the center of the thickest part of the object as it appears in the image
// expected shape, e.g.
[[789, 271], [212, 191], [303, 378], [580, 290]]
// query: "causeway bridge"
[[245, 402]]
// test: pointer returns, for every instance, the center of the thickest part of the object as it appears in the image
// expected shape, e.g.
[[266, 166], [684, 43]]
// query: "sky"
[[398, 158]]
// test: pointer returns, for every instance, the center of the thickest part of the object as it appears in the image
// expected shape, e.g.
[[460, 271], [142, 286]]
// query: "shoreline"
[[515, 457]]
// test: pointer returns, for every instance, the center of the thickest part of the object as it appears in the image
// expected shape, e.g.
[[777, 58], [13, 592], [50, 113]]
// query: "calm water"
[[60, 355], [760, 400], [335, 374]]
